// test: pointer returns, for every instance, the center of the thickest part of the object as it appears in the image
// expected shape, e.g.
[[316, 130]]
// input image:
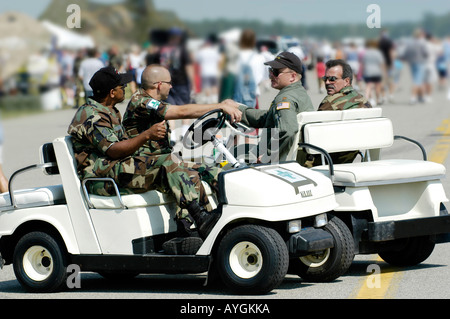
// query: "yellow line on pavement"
[[382, 283], [441, 149]]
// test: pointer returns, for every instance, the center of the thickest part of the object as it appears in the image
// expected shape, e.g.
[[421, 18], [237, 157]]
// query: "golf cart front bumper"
[[309, 240]]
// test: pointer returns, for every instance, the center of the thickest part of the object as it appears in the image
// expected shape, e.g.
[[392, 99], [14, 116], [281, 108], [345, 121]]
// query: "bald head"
[[153, 74]]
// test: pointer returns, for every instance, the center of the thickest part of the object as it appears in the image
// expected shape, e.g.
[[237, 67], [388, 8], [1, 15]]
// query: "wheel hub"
[[37, 263], [246, 259], [316, 259]]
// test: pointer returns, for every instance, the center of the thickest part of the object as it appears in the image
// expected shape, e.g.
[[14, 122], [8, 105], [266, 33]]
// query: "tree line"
[[131, 21], [437, 25]]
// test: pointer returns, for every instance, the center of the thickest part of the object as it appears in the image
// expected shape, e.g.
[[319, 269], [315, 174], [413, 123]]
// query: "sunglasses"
[[330, 78], [167, 82], [277, 72]]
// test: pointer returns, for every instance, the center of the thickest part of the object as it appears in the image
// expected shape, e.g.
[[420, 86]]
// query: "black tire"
[[40, 263], [326, 266], [415, 251], [252, 259]]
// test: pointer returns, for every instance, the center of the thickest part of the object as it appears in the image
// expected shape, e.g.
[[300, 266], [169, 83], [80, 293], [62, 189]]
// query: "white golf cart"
[[393, 207], [269, 215]]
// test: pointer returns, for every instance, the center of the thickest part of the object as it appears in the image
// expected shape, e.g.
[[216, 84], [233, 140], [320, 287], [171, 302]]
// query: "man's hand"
[[127, 147], [231, 108], [157, 131]]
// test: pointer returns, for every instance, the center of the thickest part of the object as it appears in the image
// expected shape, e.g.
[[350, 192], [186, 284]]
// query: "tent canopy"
[[66, 39], [231, 35]]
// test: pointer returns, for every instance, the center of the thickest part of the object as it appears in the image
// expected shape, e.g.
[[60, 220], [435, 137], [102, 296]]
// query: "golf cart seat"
[[150, 198], [365, 130], [32, 197], [328, 116], [36, 196]]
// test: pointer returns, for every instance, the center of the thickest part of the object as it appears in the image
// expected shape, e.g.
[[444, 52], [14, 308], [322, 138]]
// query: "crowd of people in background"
[[207, 73], [378, 64], [214, 69]]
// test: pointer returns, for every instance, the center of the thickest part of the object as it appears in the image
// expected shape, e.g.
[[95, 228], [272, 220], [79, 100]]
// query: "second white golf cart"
[[393, 207]]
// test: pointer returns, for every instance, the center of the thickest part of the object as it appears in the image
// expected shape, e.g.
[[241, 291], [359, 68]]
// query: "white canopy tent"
[[66, 39], [231, 35]]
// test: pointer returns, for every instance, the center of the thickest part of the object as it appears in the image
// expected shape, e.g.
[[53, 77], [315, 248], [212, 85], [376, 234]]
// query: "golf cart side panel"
[[56, 216], [414, 200], [117, 228], [355, 199], [79, 213]]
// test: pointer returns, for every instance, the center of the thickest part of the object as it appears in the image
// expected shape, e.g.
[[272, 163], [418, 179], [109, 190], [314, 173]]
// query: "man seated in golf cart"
[[281, 117], [103, 149], [340, 96]]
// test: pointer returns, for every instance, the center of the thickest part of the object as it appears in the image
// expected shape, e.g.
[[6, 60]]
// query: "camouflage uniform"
[[183, 179], [282, 115], [96, 127], [347, 98]]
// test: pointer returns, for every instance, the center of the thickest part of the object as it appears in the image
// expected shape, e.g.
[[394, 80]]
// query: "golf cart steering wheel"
[[208, 129]]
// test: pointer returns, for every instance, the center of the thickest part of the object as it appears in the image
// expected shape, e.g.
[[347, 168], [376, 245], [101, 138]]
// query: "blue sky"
[[292, 11]]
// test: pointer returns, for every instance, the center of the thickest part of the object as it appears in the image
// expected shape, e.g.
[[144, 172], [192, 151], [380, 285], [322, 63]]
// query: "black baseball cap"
[[107, 78], [286, 60]]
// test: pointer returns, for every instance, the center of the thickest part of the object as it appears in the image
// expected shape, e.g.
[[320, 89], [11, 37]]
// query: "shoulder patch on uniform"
[[105, 132], [283, 105], [153, 104]]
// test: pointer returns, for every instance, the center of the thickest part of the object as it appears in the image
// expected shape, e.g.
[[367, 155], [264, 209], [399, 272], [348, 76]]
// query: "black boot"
[[187, 240], [186, 227], [204, 220], [182, 245]]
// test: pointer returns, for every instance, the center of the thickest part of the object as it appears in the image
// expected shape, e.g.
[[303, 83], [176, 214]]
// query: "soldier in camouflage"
[[148, 108], [101, 146], [338, 83], [341, 96], [103, 149]]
